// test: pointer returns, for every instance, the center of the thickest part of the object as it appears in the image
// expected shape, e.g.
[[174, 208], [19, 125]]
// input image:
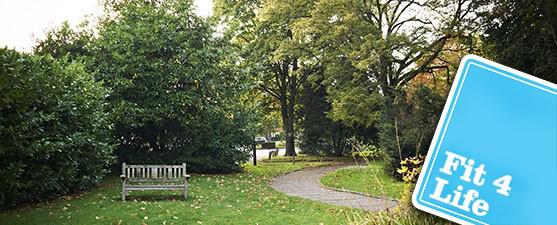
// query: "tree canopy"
[[523, 34], [273, 50], [372, 49]]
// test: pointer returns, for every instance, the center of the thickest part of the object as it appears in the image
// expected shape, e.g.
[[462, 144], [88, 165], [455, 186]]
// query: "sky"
[[22, 22]]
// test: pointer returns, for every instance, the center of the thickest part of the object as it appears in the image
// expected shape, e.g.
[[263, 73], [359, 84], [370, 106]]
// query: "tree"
[[273, 49], [65, 42], [380, 46], [176, 96], [320, 135], [521, 34]]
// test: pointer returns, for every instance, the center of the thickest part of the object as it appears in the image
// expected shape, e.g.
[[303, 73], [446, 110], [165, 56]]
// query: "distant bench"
[[273, 153], [165, 177]]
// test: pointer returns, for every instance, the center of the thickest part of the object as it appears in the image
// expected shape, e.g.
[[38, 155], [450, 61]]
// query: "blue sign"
[[493, 158]]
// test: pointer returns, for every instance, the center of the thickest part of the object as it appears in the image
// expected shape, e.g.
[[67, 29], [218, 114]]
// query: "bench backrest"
[[154, 172]]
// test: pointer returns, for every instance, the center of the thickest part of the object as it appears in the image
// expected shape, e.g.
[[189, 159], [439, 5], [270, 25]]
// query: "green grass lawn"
[[243, 198], [368, 179]]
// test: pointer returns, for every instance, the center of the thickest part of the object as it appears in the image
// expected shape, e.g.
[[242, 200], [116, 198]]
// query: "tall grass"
[[371, 179], [402, 215]]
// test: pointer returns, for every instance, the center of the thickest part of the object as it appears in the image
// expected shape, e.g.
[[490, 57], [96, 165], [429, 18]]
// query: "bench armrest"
[[123, 177], [187, 177]]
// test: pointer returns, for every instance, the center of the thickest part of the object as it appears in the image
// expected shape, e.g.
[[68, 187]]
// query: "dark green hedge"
[[52, 128]]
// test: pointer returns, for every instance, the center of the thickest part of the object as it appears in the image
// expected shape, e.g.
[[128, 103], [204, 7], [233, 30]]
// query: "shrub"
[[53, 128], [366, 151], [177, 94], [410, 168]]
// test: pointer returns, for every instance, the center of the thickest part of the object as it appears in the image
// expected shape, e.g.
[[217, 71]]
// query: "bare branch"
[[436, 47], [306, 74], [270, 91], [395, 27]]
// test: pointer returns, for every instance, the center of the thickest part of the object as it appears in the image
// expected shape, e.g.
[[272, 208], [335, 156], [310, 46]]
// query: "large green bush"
[[176, 95], [53, 128]]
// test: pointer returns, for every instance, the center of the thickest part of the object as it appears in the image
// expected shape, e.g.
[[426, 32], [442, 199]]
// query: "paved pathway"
[[305, 184], [264, 153]]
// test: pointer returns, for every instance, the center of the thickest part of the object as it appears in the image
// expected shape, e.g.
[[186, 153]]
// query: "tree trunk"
[[292, 89], [290, 150], [287, 125], [286, 110]]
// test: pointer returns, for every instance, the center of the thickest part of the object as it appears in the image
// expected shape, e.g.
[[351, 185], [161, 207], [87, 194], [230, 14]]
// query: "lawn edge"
[[351, 191]]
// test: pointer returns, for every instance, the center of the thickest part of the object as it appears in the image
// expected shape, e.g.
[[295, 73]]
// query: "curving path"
[[305, 183]]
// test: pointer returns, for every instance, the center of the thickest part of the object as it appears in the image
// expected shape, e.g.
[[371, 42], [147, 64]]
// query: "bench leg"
[[123, 194], [186, 191]]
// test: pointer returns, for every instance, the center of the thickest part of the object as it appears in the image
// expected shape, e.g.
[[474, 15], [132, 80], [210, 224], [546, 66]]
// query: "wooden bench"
[[165, 177], [273, 153]]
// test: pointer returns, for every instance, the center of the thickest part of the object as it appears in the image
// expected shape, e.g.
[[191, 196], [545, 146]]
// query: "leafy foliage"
[[320, 134], [269, 120], [176, 96], [523, 34], [410, 168], [368, 152], [372, 49], [414, 125], [53, 127], [273, 49], [65, 42]]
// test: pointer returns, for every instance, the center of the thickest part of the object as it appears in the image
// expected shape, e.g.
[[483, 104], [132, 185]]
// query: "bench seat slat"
[[154, 187], [153, 166], [156, 180]]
